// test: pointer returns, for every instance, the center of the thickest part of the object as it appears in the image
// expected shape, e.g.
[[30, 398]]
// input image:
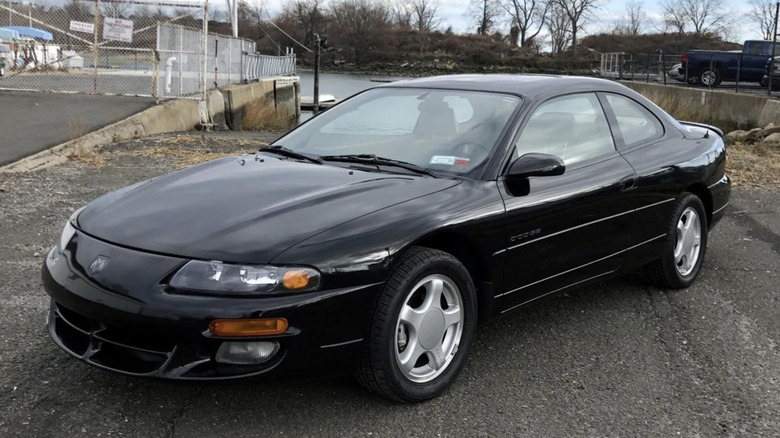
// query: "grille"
[[110, 347]]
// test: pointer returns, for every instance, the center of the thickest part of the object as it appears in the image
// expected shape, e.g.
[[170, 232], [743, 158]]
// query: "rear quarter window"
[[636, 123]]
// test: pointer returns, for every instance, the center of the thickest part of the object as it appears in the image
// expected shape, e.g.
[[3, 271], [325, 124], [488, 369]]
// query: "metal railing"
[[258, 66]]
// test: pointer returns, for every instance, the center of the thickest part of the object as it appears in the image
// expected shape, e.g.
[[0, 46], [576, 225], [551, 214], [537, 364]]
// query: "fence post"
[[648, 70], [205, 48], [774, 43], [316, 97], [663, 66], [620, 66], [95, 48], [181, 67], [712, 59]]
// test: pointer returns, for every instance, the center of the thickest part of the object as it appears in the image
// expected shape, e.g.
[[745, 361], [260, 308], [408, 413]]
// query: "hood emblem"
[[98, 265]]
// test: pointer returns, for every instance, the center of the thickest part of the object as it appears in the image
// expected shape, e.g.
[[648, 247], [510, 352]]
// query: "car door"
[[564, 230]]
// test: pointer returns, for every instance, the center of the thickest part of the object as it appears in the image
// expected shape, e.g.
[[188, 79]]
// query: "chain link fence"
[[655, 67], [120, 47], [669, 69]]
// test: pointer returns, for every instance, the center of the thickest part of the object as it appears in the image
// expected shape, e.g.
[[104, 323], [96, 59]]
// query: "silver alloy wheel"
[[708, 77], [688, 243], [429, 328]]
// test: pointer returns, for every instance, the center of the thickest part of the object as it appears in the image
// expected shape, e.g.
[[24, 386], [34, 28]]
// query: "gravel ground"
[[617, 359]]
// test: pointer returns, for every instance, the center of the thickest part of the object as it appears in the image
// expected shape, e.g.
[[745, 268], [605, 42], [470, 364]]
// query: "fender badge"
[[98, 265]]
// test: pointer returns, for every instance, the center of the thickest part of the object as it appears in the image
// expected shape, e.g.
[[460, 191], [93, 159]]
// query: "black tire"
[[710, 77], [379, 369], [664, 272]]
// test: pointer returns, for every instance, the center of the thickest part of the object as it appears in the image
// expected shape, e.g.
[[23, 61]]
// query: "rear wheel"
[[684, 247], [423, 327], [710, 77]]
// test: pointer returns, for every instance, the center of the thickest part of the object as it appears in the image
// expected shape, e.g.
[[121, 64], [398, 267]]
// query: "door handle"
[[627, 183]]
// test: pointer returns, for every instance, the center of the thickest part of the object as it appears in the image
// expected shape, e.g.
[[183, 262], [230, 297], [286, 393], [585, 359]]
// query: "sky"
[[454, 13]]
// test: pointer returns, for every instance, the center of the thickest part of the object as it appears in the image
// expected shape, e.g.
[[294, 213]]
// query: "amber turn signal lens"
[[295, 279], [248, 327]]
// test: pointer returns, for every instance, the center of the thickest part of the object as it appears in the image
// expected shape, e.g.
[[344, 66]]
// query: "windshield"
[[443, 130]]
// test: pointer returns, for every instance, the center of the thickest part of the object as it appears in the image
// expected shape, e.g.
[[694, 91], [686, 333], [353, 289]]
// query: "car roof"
[[526, 85]]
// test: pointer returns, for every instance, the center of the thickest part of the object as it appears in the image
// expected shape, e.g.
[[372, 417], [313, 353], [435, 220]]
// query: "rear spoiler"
[[705, 126]]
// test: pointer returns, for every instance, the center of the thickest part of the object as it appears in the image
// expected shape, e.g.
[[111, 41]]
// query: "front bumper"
[[123, 320]]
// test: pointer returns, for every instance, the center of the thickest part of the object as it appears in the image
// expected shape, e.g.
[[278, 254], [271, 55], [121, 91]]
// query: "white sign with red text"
[[116, 29]]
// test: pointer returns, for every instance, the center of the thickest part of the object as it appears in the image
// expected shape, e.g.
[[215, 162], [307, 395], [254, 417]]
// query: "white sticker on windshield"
[[449, 161], [442, 159]]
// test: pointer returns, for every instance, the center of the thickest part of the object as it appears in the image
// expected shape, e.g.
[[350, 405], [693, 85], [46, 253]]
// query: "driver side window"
[[573, 128]]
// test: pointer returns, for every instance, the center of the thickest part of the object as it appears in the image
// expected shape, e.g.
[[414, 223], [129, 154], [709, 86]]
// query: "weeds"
[[754, 166], [87, 155], [262, 116], [691, 109]]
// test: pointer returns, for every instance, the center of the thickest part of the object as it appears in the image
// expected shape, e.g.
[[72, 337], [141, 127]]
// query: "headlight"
[[226, 278], [67, 234], [69, 230]]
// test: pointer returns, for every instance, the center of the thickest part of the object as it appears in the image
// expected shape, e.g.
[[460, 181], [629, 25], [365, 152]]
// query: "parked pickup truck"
[[710, 68]]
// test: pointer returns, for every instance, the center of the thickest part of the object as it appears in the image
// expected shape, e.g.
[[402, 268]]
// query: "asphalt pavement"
[[32, 121], [620, 358]]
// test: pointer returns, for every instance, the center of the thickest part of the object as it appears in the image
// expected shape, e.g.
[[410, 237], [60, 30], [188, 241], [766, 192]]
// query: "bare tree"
[[425, 14], [360, 25], [142, 11], [702, 16], [762, 12], [486, 13], [675, 18], [634, 21], [527, 16], [559, 27], [579, 12], [115, 8], [401, 14], [305, 15], [79, 11]]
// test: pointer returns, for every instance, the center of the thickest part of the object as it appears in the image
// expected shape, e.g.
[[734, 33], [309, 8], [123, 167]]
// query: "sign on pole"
[[116, 29], [80, 26]]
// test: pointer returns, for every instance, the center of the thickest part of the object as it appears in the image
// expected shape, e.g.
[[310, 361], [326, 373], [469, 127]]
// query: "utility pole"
[[232, 9], [316, 98], [774, 43]]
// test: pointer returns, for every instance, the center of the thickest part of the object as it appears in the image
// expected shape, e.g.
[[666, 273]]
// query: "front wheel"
[[684, 246], [423, 327]]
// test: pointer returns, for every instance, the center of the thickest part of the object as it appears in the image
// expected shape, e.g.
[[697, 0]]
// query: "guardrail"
[[258, 66]]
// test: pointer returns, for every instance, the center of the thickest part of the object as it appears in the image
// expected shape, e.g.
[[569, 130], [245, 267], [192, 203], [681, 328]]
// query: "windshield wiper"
[[289, 153], [375, 160]]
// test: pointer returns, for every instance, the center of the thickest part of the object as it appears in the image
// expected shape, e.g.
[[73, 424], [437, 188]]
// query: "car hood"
[[243, 209]]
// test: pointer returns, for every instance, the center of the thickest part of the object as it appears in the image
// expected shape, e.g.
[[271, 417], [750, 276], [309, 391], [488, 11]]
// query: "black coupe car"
[[374, 237]]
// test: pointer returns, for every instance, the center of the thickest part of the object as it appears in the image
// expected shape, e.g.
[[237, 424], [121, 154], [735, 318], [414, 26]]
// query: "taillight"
[[685, 58]]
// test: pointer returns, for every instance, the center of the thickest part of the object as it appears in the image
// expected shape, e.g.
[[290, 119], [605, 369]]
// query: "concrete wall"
[[222, 109], [726, 110], [282, 92]]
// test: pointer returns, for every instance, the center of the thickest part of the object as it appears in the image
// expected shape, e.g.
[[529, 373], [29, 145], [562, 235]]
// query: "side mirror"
[[535, 164]]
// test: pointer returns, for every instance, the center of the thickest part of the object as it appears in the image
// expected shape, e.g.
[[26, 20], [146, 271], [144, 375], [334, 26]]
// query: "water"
[[338, 84]]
